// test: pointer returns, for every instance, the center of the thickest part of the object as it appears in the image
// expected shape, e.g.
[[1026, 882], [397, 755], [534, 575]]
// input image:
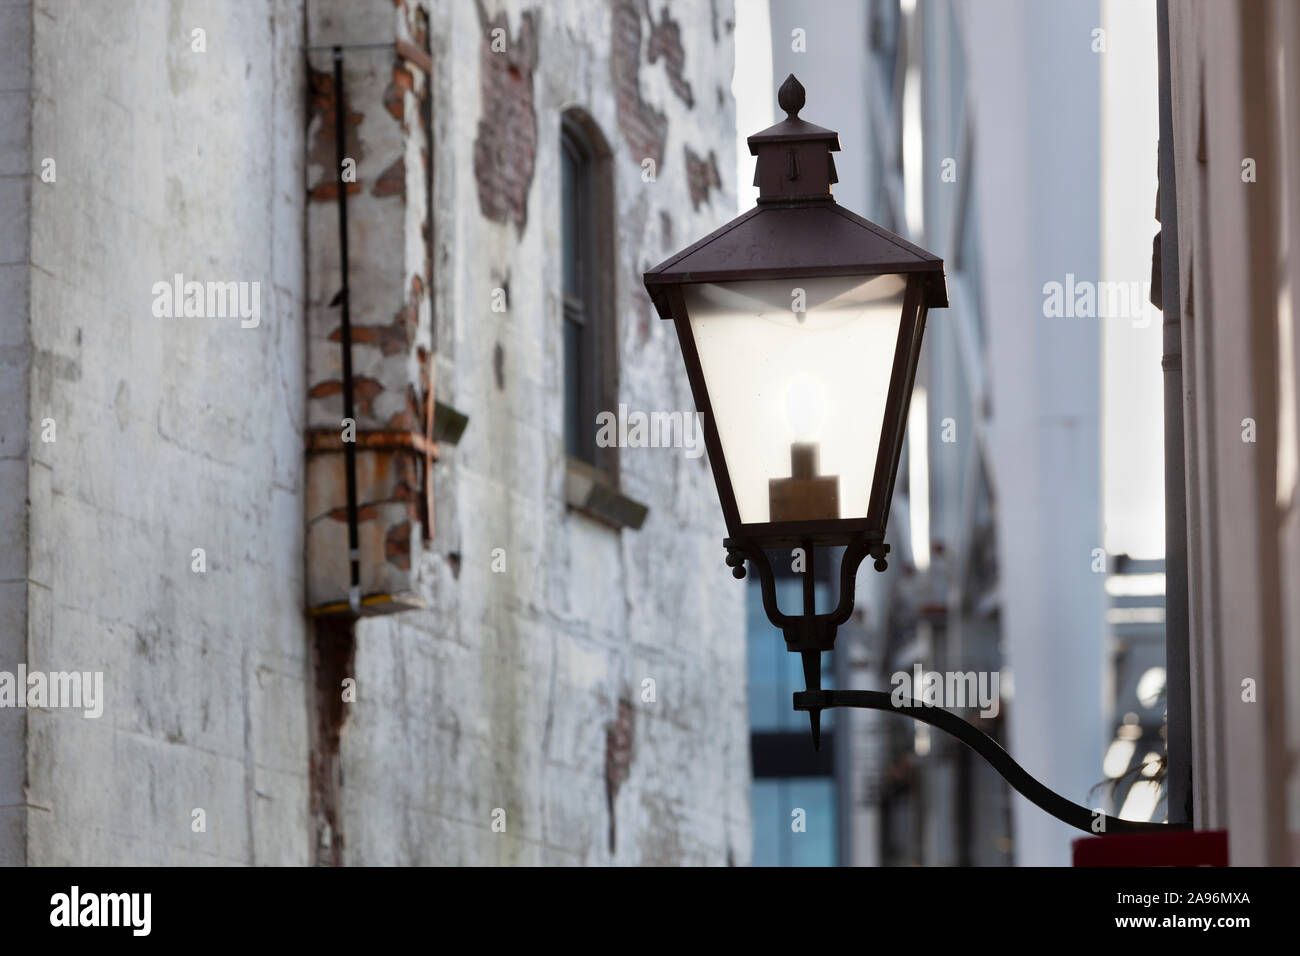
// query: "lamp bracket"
[[810, 633], [1042, 796]]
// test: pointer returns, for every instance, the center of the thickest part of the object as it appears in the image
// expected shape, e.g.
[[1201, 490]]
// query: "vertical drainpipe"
[[1177, 636], [349, 447]]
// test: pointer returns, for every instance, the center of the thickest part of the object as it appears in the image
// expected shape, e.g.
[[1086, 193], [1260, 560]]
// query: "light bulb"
[[805, 407]]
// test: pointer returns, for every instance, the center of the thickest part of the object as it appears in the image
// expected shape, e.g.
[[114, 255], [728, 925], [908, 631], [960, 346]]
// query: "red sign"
[[1175, 848]]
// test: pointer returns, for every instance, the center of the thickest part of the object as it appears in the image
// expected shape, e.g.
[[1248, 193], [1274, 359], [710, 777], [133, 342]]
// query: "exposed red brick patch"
[[408, 494], [505, 150], [409, 418], [392, 181], [330, 191], [391, 339], [701, 176], [364, 391], [395, 93], [666, 42], [413, 303], [619, 734], [666, 230], [641, 306], [644, 127], [320, 150], [333, 652], [395, 337], [364, 513], [397, 545], [401, 422]]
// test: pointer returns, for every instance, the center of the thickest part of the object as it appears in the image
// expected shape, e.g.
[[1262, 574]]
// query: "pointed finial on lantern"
[[790, 97], [794, 156]]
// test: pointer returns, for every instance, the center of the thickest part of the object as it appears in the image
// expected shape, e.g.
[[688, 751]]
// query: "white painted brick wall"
[[172, 434], [522, 671], [183, 433], [15, 362]]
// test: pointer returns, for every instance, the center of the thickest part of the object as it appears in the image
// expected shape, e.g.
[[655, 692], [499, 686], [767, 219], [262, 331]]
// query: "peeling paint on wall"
[[619, 734], [644, 127], [333, 654], [666, 43], [320, 146], [505, 150], [701, 176]]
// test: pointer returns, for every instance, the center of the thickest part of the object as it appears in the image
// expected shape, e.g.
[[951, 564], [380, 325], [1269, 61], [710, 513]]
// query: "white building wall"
[[514, 690], [171, 434], [1233, 95], [15, 367], [514, 682]]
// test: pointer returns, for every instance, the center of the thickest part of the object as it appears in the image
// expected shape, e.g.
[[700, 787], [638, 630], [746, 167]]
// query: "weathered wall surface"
[[521, 690], [1235, 97], [15, 363], [172, 434]]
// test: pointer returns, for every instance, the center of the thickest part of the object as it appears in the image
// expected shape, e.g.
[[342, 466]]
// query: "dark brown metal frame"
[[832, 532], [797, 231], [810, 633]]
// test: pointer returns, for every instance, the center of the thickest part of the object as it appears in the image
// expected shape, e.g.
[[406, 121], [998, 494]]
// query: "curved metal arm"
[[1081, 818]]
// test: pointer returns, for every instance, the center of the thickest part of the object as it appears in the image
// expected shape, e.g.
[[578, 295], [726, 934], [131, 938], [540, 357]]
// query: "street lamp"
[[800, 324]]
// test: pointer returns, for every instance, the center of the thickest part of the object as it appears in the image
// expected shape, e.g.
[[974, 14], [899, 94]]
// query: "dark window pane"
[[568, 206], [573, 412], [769, 829], [816, 845], [765, 651], [584, 243], [570, 185], [776, 843], [774, 673]]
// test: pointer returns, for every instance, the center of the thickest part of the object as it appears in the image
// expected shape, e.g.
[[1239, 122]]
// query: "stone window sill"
[[591, 492]]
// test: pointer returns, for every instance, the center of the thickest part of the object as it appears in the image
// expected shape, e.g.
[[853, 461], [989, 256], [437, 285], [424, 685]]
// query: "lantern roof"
[[797, 229], [821, 239]]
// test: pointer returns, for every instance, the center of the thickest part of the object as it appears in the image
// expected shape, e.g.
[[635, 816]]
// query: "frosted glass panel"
[[798, 396]]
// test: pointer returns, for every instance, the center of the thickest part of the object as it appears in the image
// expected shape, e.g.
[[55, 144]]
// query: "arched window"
[[587, 257]]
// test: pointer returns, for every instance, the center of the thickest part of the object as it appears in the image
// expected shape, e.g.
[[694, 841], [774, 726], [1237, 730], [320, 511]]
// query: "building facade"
[[548, 664], [1231, 227]]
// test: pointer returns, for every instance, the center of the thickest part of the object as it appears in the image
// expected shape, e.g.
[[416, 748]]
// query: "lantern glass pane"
[[797, 372]]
